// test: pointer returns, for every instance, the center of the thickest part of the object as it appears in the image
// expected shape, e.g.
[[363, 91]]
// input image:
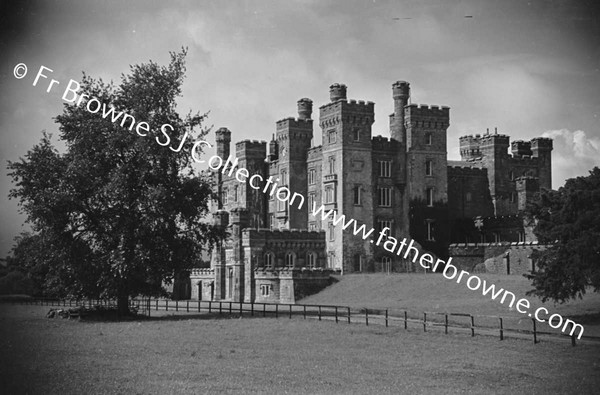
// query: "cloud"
[[575, 153]]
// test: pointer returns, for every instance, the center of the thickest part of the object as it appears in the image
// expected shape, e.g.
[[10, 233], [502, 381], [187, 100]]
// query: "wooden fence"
[[457, 322]]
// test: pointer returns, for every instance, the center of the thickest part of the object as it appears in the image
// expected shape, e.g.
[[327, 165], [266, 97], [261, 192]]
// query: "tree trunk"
[[123, 304]]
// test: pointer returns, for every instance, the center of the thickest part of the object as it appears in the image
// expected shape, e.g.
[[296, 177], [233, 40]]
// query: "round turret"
[[337, 92], [304, 108], [401, 90]]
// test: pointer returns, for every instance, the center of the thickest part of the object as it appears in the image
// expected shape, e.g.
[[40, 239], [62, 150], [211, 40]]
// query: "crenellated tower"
[[288, 166], [346, 184]]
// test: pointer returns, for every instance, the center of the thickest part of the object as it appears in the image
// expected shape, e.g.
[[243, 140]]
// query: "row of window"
[[290, 260], [384, 196], [385, 169], [356, 136]]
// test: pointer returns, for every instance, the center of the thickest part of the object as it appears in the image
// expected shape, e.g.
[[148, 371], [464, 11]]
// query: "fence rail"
[[458, 322]]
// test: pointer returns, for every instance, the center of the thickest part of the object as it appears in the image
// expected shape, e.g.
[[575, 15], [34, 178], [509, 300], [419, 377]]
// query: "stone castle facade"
[[278, 252]]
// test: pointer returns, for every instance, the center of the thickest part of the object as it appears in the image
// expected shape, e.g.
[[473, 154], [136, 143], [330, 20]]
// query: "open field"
[[433, 292], [199, 355]]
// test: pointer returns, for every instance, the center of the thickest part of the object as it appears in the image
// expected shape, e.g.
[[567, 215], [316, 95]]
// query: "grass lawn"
[[433, 292], [205, 355]]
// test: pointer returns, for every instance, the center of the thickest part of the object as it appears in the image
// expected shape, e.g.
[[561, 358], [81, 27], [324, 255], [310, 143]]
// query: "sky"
[[527, 68]]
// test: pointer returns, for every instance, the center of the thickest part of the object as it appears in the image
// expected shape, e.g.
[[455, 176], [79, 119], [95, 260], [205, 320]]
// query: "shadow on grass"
[[586, 319]]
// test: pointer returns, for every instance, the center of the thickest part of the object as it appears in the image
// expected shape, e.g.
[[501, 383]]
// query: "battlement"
[[201, 272], [315, 152], [465, 171], [541, 143], [427, 116], [348, 105], [304, 108], [251, 149], [380, 143], [291, 122], [520, 148]]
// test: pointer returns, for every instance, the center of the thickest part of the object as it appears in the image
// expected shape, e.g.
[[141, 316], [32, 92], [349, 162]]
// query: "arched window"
[[290, 259], [269, 260], [358, 263], [311, 260]]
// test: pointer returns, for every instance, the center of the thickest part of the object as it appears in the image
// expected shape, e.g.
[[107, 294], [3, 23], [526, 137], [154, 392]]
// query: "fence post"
[[386, 318], [367, 317], [156, 304], [348, 314], [177, 305], [573, 343], [336, 315], [304, 311], [501, 329], [209, 306], [446, 324], [534, 331], [229, 308], [472, 326], [166, 304], [252, 309], [187, 306], [319, 313], [405, 320], [424, 322], [241, 309], [276, 310], [199, 303], [220, 308], [290, 312]]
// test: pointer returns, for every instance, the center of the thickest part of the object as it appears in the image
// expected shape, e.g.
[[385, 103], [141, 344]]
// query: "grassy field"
[[432, 292], [232, 355]]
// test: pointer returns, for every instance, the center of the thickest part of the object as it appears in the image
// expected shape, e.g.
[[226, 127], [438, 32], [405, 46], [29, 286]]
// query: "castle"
[[279, 252]]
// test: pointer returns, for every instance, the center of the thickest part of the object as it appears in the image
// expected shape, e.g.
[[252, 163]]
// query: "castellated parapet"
[[304, 108], [251, 149]]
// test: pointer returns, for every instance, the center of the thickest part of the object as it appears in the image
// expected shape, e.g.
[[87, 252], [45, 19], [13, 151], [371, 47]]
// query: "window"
[[284, 177], [430, 230], [511, 175], [311, 200], [311, 260], [496, 237], [269, 260], [357, 196], [235, 193], [331, 136], [271, 221], [290, 260], [358, 263], [332, 165], [356, 134], [264, 289], [385, 196], [312, 226], [385, 168], [468, 197], [521, 236], [428, 138], [330, 194], [331, 232], [331, 260], [225, 198], [282, 205], [312, 174], [429, 197], [383, 223], [513, 197], [428, 167]]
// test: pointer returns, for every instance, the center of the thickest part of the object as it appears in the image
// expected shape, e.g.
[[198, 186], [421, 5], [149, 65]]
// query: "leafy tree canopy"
[[570, 218], [118, 212]]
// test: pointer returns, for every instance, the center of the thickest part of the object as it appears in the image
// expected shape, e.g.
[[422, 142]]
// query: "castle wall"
[[498, 258]]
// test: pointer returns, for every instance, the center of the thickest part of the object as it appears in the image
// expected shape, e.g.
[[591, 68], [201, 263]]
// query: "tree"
[[121, 210], [569, 220]]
